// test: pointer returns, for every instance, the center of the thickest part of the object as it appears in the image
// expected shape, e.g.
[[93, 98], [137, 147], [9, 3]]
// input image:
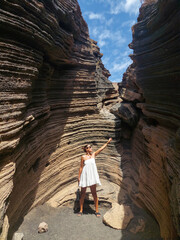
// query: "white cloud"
[[94, 31], [128, 23], [101, 43], [117, 38], [115, 8], [131, 6], [93, 16], [128, 6], [117, 67], [109, 22], [106, 60], [126, 53], [119, 55], [103, 35]]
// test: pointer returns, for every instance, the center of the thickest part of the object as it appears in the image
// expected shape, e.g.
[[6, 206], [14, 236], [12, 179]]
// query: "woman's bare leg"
[[93, 191], [83, 192]]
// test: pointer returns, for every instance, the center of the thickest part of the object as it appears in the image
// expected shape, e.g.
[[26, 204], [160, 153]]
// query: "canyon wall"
[[150, 112], [55, 97], [53, 87]]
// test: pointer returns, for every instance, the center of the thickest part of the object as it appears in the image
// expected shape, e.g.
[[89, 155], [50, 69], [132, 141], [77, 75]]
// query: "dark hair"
[[86, 146]]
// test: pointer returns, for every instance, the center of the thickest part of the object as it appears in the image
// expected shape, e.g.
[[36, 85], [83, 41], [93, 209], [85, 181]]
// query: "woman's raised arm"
[[100, 149]]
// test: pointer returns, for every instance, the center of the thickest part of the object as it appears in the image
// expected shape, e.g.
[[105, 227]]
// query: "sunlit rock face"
[[53, 94], [151, 85]]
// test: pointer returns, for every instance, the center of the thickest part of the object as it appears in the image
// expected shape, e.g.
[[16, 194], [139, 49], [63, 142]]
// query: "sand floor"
[[64, 224]]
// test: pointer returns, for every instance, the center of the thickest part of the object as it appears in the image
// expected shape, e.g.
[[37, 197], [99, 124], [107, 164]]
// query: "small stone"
[[18, 236], [43, 227]]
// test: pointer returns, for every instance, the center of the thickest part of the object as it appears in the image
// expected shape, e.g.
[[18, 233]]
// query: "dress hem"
[[99, 184]]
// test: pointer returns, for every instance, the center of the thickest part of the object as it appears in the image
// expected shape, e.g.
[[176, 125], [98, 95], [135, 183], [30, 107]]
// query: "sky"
[[109, 23]]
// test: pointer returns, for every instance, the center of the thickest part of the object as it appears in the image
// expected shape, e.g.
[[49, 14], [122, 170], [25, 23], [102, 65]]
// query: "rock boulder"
[[118, 216]]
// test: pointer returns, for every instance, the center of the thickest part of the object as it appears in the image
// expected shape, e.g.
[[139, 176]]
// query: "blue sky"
[[109, 23]]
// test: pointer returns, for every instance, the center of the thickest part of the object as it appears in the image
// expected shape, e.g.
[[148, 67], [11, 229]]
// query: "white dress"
[[89, 175]]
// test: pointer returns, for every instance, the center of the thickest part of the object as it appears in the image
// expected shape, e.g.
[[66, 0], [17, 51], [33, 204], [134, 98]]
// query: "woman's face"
[[89, 149]]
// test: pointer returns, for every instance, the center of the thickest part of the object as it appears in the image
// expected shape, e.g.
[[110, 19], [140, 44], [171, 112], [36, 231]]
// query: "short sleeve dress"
[[89, 175]]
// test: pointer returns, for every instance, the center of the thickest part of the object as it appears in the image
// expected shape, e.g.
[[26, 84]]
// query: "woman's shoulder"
[[83, 157]]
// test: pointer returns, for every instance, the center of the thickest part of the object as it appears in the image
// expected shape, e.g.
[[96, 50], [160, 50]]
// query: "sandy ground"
[[64, 224]]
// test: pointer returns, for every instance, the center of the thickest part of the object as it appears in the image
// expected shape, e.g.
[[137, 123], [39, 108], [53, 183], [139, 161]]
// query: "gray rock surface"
[[65, 224], [18, 236]]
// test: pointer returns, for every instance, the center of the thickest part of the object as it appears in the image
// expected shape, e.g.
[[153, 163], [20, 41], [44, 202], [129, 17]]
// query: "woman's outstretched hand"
[[110, 139]]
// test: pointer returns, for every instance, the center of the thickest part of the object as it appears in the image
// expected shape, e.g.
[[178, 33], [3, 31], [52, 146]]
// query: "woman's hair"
[[86, 146]]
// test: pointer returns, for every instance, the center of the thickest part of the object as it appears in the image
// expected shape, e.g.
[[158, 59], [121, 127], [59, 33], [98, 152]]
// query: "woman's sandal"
[[80, 214], [97, 214]]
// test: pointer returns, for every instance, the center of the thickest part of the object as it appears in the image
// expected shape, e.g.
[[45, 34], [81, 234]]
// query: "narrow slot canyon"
[[55, 97]]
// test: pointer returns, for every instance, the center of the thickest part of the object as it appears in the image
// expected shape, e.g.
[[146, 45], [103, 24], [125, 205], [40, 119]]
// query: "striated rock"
[[107, 193], [130, 95], [6, 186], [126, 112], [53, 95], [118, 216], [5, 227], [154, 166]]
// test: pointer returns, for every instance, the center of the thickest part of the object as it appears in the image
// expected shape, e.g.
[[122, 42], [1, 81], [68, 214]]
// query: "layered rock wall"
[[151, 86], [55, 98], [52, 100]]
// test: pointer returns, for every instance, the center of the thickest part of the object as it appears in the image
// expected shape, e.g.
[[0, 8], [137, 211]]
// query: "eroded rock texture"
[[151, 85], [55, 97], [53, 90]]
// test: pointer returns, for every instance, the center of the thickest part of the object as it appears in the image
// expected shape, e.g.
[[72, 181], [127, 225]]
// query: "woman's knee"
[[83, 191], [93, 188], [94, 195]]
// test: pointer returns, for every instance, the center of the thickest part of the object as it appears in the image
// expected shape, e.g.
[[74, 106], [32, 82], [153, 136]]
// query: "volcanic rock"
[[118, 216], [126, 112], [138, 227], [154, 164], [18, 236], [53, 87], [55, 97], [43, 227]]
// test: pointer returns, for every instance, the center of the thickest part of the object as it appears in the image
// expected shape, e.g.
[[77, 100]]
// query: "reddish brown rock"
[[55, 97], [53, 87], [126, 112], [154, 167], [139, 226]]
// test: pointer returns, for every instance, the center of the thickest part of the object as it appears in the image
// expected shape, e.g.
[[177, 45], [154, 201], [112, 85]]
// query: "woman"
[[88, 175]]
